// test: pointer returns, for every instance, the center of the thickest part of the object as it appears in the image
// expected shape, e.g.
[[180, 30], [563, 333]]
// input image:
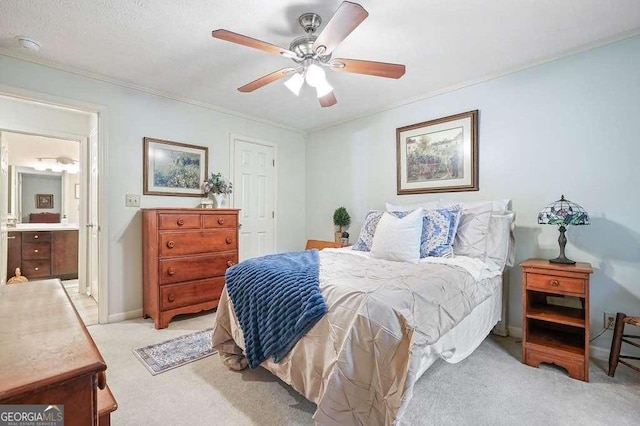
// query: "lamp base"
[[563, 260]]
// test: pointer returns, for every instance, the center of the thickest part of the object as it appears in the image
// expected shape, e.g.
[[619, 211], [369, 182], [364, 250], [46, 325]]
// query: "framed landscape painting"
[[173, 168], [438, 155]]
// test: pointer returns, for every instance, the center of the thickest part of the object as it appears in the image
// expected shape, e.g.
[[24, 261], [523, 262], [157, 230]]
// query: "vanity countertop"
[[42, 227]]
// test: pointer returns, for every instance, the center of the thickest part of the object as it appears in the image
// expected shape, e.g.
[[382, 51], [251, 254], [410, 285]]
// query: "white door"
[[254, 194], [88, 255], [4, 208]]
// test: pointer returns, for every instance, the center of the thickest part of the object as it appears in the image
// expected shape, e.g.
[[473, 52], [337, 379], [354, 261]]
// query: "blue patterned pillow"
[[439, 231], [365, 239]]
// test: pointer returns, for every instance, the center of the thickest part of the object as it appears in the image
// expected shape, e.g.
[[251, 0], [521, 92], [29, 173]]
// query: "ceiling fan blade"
[[342, 23], [263, 81], [379, 69], [252, 42], [328, 100]]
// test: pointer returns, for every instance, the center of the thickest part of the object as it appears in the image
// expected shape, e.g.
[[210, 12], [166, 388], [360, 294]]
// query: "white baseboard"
[[137, 313], [597, 352]]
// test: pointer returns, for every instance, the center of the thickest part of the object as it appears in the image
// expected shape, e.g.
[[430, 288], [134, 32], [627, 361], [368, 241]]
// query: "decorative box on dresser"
[[186, 253], [555, 332], [48, 357]]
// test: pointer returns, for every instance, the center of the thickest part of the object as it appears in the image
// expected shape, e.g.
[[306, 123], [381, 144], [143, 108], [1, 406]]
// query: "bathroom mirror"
[[33, 191]]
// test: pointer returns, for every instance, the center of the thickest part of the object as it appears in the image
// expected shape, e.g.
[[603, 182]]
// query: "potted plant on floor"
[[341, 219]]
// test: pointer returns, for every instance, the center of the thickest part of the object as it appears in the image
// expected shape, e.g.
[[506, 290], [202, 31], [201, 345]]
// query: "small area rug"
[[177, 352]]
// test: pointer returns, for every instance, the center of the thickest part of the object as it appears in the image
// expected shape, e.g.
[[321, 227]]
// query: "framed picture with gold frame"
[[438, 155], [174, 168]]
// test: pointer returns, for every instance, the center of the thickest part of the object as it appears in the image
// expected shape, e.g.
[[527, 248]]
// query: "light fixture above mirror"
[[57, 164]]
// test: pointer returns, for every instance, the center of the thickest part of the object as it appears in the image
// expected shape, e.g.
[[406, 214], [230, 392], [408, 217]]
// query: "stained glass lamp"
[[563, 213]]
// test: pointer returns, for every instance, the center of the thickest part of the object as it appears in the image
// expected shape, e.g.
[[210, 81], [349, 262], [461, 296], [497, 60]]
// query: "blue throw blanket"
[[276, 299]]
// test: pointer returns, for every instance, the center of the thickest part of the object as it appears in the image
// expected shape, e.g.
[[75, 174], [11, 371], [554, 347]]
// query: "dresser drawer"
[[179, 295], [553, 283], [36, 236], [36, 268], [177, 244], [178, 221], [195, 267], [35, 251], [219, 221]]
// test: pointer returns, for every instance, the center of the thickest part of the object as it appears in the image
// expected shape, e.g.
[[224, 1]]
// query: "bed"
[[387, 322]]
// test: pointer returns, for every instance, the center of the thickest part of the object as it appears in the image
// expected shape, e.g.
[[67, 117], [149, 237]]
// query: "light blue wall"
[[564, 127], [132, 115]]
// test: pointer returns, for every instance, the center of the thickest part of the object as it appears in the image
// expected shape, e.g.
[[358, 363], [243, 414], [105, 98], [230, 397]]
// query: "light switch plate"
[[132, 200]]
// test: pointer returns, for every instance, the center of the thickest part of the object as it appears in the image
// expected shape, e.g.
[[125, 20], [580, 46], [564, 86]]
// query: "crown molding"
[[488, 77], [105, 79], [304, 132]]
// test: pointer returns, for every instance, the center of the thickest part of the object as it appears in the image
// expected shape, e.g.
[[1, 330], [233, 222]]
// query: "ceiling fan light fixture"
[[295, 83], [315, 75], [323, 89]]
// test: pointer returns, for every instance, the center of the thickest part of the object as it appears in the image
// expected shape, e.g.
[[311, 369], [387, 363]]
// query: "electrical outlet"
[[609, 320], [132, 200]]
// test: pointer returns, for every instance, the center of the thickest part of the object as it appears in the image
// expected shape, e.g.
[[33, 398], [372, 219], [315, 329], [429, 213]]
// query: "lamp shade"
[[563, 213], [295, 83]]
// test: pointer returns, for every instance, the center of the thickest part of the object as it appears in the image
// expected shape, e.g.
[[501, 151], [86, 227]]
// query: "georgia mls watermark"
[[31, 415]]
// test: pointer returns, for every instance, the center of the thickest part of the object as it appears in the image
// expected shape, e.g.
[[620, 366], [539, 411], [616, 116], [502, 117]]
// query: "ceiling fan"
[[312, 53]]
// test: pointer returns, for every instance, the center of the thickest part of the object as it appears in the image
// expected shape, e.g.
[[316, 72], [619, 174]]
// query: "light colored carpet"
[[491, 387]]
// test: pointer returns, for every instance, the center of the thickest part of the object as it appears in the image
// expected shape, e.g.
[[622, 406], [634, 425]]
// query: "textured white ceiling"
[[166, 46]]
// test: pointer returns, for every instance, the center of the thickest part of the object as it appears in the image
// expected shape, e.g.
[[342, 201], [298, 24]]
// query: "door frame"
[[233, 137], [102, 117]]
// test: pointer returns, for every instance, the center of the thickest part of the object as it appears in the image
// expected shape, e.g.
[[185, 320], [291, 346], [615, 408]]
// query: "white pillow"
[[430, 205], [500, 240], [398, 239], [471, 238]]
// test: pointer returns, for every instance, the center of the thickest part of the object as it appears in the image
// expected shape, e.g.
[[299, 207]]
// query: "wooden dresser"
[[43, 254], [186, 253], [48, 356], [553, 330]]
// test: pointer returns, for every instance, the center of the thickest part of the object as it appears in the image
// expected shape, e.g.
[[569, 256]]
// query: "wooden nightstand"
[[552, 333]]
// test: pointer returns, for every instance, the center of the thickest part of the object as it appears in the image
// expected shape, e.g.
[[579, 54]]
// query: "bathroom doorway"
[[49, 158]]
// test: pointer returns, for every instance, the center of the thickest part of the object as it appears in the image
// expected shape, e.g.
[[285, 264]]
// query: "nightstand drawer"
[[552, 283]]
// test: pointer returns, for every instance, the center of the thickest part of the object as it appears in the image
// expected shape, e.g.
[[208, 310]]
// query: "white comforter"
[[360, 362]]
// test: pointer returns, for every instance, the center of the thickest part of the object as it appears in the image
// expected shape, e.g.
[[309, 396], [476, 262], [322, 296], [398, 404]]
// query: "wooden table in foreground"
[[553, 333], [48, 356]]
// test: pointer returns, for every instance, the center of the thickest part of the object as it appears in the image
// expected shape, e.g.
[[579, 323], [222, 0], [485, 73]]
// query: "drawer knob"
[[171, 271], [221, 220], [180, 222], [230, 263], [171, 297], [102, 379], [36, 251], [171, 244], [37, 269], [229, 240], [555, 283], [35, 236]]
